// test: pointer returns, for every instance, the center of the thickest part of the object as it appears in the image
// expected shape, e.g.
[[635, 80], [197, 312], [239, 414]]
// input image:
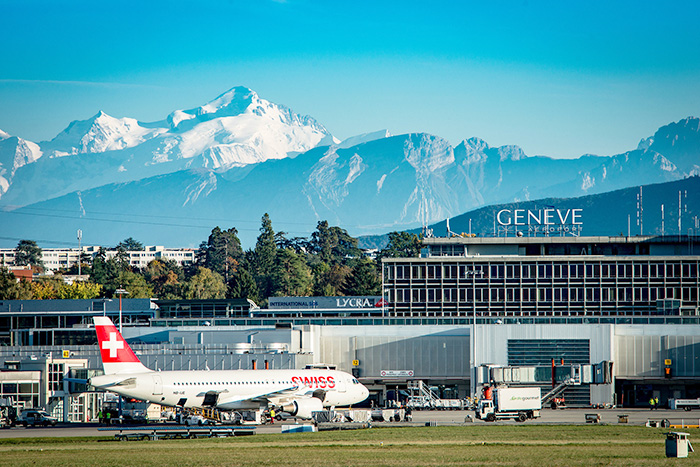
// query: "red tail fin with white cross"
[[117, 356]]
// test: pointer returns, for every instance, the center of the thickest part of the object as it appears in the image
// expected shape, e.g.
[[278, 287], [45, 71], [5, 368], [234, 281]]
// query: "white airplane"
[[297, 392]]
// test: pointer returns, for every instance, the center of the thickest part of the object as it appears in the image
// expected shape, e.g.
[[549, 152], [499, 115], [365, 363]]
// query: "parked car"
[[32, 417]]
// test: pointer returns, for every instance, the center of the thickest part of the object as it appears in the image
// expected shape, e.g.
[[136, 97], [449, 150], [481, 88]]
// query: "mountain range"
[[239, 156]]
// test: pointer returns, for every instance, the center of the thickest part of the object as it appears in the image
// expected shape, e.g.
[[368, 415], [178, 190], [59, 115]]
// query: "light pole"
[[80, 249], [473, 359], [120, 292]]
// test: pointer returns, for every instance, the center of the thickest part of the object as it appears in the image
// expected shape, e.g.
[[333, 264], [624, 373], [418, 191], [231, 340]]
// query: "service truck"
[[518, 403], [8, 413], [685, 404]]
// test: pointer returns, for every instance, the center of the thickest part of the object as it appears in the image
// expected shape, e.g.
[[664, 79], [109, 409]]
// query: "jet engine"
[[302, 408]]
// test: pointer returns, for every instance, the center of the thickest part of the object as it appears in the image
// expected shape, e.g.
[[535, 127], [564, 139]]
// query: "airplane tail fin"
[[117, 356]]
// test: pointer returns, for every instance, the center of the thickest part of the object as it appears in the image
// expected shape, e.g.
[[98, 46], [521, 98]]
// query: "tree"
[[54, 287], [401, 245], [106, 272], [264, 256], [47, 288], [134, 283], [100, 272], [165, 276], [333, 244], [291, 277], [28, 253], [206, 284], [221, 249], [298, 244], [80, 290], [363, 280], [242, 285], [328, 280], [130, 244], [11, 288], [85, 265]]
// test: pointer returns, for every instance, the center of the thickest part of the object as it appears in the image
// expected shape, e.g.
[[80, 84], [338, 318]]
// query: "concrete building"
[[63, 258]]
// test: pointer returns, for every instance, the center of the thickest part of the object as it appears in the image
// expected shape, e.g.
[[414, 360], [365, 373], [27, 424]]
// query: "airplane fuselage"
[[235, 389]]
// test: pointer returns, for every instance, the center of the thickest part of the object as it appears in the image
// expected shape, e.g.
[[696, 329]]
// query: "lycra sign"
[[548, 221]]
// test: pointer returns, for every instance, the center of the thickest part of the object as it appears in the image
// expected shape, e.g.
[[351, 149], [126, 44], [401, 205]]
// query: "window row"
[[540, 294], [542, 271]]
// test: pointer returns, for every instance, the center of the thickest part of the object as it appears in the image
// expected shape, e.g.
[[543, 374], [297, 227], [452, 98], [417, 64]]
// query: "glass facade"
[[24, 392], [542, 286], [540, 353]]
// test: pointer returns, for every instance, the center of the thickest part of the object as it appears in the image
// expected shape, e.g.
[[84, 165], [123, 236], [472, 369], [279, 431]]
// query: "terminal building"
[[469, 311]]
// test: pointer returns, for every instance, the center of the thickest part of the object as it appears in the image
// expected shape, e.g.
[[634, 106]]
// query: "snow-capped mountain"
[[239, 156], [14, 153], [235, 129], [98, 134], [239, 128]]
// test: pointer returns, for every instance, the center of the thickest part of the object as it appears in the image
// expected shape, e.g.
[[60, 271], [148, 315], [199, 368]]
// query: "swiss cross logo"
[[113, 344]]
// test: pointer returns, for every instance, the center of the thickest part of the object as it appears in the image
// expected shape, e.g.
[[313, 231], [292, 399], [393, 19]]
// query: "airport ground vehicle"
[[685, 404], [132, 411], [194, 420], [518, 403], [33, 417], [8, 413]]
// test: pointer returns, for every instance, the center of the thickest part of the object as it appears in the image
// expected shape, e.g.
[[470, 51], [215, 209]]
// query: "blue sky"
[[557, 78]]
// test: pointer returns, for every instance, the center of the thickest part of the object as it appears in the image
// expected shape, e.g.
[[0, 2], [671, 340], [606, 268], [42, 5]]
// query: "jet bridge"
[[599, 373], [553, 379]]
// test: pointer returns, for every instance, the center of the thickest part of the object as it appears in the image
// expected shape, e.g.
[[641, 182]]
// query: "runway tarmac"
[[420, 418]]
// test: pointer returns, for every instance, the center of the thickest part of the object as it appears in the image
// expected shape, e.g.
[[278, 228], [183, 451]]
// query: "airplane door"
[[340, 384], [157, 385]]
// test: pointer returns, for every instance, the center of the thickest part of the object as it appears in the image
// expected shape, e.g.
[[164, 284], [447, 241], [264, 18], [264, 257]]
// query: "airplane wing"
[[280, 394]]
